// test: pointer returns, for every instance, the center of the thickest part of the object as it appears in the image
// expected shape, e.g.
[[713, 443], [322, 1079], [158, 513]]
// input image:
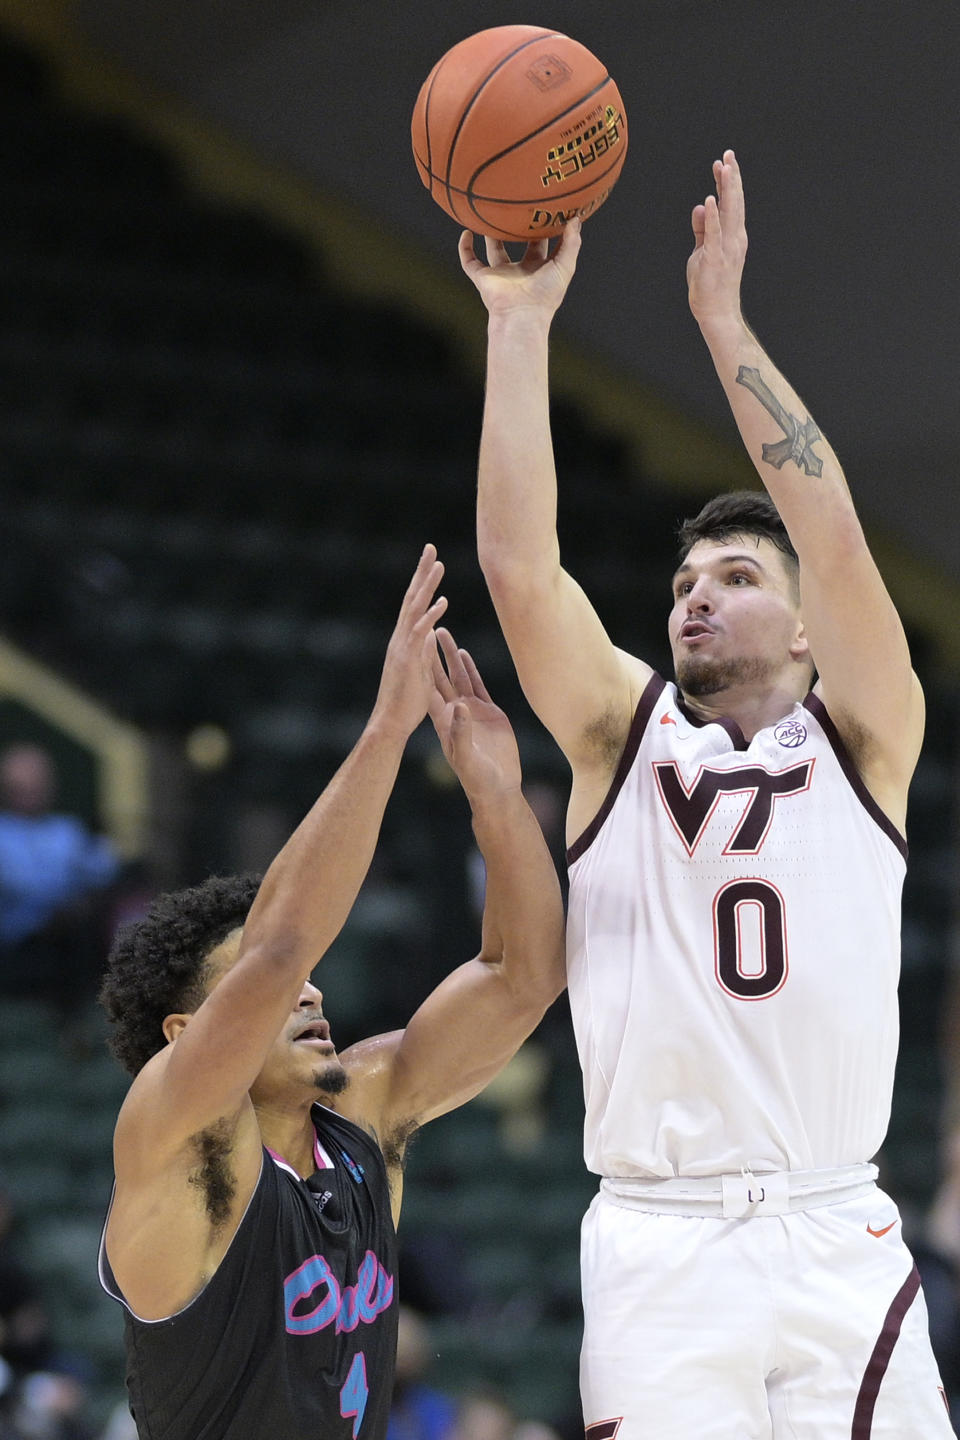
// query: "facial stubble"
[[699, 676]]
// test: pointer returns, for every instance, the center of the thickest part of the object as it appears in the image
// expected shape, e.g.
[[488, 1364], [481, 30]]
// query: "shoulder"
[[366, 1102], [883, 763], [605, 732], [882, 796], [147, 1143], [595, 793]]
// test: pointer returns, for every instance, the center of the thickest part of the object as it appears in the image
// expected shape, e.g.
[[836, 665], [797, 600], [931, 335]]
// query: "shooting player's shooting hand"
[[536, 282], [720, 248]]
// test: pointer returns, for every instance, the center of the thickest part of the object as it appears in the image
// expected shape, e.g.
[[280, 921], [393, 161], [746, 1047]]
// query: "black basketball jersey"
[[295, 1335]]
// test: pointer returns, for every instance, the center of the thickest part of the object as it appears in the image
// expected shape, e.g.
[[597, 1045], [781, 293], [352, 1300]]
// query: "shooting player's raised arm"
[[572, 674], [856, 637]]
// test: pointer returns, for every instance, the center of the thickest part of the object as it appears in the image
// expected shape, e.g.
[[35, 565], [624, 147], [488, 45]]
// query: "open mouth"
[[317, 1033]]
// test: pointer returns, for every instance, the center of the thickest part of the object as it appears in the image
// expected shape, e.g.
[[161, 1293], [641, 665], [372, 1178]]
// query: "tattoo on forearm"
[[800, 434]]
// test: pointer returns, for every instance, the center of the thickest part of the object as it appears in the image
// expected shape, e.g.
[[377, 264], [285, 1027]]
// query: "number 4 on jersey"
[[353, 1395]]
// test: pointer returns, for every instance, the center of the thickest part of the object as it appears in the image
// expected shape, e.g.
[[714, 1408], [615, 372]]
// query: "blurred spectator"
[[54, 885], [419, 1412], [7, 1431], [519, 1097], [50, 1405], [120, 1424], [484, 1414], [43, 1393], [24, 1324], [435, 1280]]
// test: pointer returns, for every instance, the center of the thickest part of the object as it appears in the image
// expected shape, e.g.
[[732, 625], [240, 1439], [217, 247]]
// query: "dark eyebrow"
[[686, 569], [743, 559]]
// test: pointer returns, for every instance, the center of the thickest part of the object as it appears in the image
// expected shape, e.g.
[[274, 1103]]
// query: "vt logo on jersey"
[[749, 919], [690, 807]]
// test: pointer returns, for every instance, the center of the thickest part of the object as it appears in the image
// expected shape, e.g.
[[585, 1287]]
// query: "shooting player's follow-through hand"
[[720, 248]]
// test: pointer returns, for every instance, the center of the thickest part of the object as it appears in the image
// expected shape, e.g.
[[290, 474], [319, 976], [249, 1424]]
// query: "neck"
[[289, 1133], [751, 709]]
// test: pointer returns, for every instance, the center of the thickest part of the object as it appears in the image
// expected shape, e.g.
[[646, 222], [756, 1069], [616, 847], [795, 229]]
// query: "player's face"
[[303, 1056], [735, 620]]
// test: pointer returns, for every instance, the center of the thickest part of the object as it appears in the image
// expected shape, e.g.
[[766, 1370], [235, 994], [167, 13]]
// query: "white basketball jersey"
[[733, 950]]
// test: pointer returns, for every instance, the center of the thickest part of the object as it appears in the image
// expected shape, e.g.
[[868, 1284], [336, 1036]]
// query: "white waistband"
[[744, 1196]]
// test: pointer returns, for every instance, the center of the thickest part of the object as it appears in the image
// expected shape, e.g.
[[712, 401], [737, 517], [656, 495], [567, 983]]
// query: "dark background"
[[844, 117]]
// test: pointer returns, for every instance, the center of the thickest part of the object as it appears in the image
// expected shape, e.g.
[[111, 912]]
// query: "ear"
[[800, 647], [173, 1025]]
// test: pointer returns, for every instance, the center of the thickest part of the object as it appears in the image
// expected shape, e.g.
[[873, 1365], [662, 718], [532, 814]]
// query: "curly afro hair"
[[157, 966]]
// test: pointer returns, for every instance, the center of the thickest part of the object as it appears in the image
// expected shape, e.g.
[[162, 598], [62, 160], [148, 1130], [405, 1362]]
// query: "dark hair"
[[157, 966], [740, 512]]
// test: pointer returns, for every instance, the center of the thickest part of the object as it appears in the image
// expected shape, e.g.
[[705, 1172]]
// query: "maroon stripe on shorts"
[[880, 1359]]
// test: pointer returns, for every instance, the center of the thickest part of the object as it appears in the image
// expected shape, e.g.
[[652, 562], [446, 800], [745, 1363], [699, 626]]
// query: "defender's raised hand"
[[476, 736], [407, 680], [720, 247], [538, 280]]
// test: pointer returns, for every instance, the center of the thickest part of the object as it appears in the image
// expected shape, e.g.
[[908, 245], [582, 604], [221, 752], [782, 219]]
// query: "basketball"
[[518, 129]]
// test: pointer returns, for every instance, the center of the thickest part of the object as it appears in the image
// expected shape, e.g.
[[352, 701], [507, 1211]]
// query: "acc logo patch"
[[790, 734]]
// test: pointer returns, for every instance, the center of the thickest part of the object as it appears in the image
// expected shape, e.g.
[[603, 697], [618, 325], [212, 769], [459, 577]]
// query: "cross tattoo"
[[800, 435]]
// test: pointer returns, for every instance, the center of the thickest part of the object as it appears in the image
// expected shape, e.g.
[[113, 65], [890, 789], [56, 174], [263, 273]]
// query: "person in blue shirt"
[[54, 877]]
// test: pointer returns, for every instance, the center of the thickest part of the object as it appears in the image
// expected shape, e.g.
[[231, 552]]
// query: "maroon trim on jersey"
[[603, 1429], [818, 710], [877, 1364], [740, 741], [654, 689]]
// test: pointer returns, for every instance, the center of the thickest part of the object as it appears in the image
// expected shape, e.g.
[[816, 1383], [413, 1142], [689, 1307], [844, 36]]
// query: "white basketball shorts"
[[797, 1326]]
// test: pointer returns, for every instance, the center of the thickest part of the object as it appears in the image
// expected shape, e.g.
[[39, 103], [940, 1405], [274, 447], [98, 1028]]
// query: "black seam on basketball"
[[583, 99], [535, 40], [470, 195], [426, 129]]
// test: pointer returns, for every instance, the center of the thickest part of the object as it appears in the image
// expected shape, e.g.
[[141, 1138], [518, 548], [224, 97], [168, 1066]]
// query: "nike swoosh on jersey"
[[667, 720], [877, 1233]]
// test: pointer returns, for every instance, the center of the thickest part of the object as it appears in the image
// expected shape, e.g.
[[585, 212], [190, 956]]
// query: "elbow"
[[516, 582], [557, 980], [278, 957], [501, 560], [538, 979]]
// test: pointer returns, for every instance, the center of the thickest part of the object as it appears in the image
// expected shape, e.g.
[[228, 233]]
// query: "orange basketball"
[[518, 129]]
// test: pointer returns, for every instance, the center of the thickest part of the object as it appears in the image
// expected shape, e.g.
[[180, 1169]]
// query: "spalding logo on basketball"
[[518, 129]]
